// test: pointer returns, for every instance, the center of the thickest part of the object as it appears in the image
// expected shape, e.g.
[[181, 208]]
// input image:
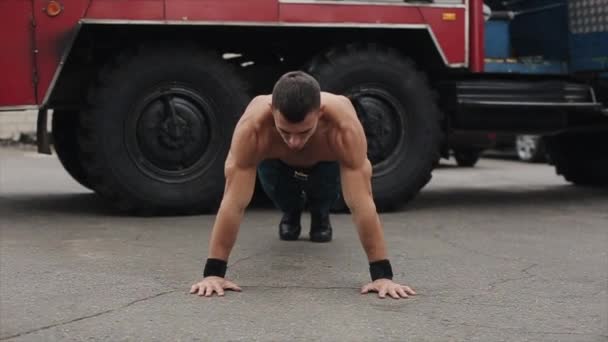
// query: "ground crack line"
[[471, 250], [243, 259], [525, 271], [462, 302], [85, 317], [525, 331]]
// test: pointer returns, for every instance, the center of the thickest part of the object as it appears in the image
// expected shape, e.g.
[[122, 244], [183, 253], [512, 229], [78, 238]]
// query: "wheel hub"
[[172, 133], [380, 118]]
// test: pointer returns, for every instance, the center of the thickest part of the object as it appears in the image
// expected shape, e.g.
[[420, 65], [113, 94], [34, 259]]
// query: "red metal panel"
[[127, 9], [16, 59], [53, 36], [450, 33], [476, 42], [349, 13], [222, 10]]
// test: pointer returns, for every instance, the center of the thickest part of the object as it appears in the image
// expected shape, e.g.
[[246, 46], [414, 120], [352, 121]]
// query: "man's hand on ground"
[[209, 285], [384, 286]]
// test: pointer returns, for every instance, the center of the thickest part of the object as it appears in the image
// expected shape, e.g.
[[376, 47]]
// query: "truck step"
[[522, 106], [557, 92]]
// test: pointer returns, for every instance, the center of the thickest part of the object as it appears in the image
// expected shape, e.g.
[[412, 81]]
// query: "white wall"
[[14, 124]]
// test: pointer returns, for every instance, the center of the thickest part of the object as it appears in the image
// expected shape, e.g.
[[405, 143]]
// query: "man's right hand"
[[211, 284]]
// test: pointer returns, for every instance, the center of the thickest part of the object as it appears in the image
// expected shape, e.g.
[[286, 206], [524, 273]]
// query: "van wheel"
[[580, 158], [466, 157]]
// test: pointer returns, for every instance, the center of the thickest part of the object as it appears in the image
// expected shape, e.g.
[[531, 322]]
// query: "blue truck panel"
[[548, 37]]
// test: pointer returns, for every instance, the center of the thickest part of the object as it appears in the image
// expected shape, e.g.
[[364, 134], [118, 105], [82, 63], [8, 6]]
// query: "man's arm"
[[240, 175], [356, 188], [240, 183], [356, 174]]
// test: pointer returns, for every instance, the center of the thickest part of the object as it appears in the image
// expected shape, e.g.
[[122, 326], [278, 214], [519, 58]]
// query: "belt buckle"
[[300, 175]]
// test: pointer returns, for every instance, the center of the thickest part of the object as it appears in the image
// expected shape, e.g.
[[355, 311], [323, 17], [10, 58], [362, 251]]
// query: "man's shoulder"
[[262, 99], [347, 137], [342, 112], [245, 146], [254, 113], [258, 105], [333, 99]]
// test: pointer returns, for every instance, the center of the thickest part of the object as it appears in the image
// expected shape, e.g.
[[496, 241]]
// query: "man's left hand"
[[384, 286]]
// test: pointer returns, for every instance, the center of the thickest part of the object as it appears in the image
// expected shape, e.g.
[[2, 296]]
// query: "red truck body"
[[33, 52], [145, 94]]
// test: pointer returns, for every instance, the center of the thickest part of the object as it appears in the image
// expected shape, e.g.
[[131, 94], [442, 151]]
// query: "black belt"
[[300, 173]]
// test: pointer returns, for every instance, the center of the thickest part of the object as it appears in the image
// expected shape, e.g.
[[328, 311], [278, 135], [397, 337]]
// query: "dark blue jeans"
[[291, 189]]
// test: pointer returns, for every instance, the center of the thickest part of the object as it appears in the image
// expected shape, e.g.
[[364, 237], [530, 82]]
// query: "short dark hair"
[[296, 94]]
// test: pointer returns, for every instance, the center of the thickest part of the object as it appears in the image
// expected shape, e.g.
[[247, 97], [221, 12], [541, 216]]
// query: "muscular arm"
[[356, 187], [240, 182], [240, 173], [356, 173]]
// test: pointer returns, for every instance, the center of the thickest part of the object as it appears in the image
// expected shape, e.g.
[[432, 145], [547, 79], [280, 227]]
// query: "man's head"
[[296, 107]]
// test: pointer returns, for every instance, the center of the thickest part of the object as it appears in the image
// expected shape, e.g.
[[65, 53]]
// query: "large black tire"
[[64, 130], [158, 129], [398, 112], [582, 158], [466, 157]]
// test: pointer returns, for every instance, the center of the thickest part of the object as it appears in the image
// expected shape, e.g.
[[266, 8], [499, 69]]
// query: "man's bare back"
[[300, 126], [338, 118]]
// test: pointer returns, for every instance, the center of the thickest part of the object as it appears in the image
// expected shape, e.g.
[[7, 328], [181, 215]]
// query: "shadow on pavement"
[[465, 198], [85, 204], [72, 204], [444, 198], [491, 154]]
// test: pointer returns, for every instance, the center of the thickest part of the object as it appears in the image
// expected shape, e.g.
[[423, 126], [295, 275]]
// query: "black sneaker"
[[289, 228], [320, 228]]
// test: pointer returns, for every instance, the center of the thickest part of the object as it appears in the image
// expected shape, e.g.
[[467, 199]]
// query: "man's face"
[[296, 135]]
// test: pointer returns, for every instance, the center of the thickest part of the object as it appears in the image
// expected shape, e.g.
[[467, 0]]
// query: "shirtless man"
[[301, 141]]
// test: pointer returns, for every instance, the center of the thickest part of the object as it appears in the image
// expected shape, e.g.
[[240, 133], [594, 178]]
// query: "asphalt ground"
[[505, 251]]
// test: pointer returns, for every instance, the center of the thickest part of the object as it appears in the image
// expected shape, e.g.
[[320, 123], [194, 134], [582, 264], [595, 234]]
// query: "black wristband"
[[215, 267], [380, 269]]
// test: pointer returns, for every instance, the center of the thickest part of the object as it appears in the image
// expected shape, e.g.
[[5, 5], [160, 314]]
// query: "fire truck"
[[145, 94]]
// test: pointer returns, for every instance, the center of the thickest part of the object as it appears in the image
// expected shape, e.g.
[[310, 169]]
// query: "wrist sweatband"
[[380, 269], [215, 267]]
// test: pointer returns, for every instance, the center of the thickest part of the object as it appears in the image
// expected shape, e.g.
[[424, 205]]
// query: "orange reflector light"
[[448, 16], [53, 8]]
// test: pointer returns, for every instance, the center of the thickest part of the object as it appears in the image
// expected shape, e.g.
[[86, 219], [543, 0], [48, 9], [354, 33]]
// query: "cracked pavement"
[[505, 251]]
